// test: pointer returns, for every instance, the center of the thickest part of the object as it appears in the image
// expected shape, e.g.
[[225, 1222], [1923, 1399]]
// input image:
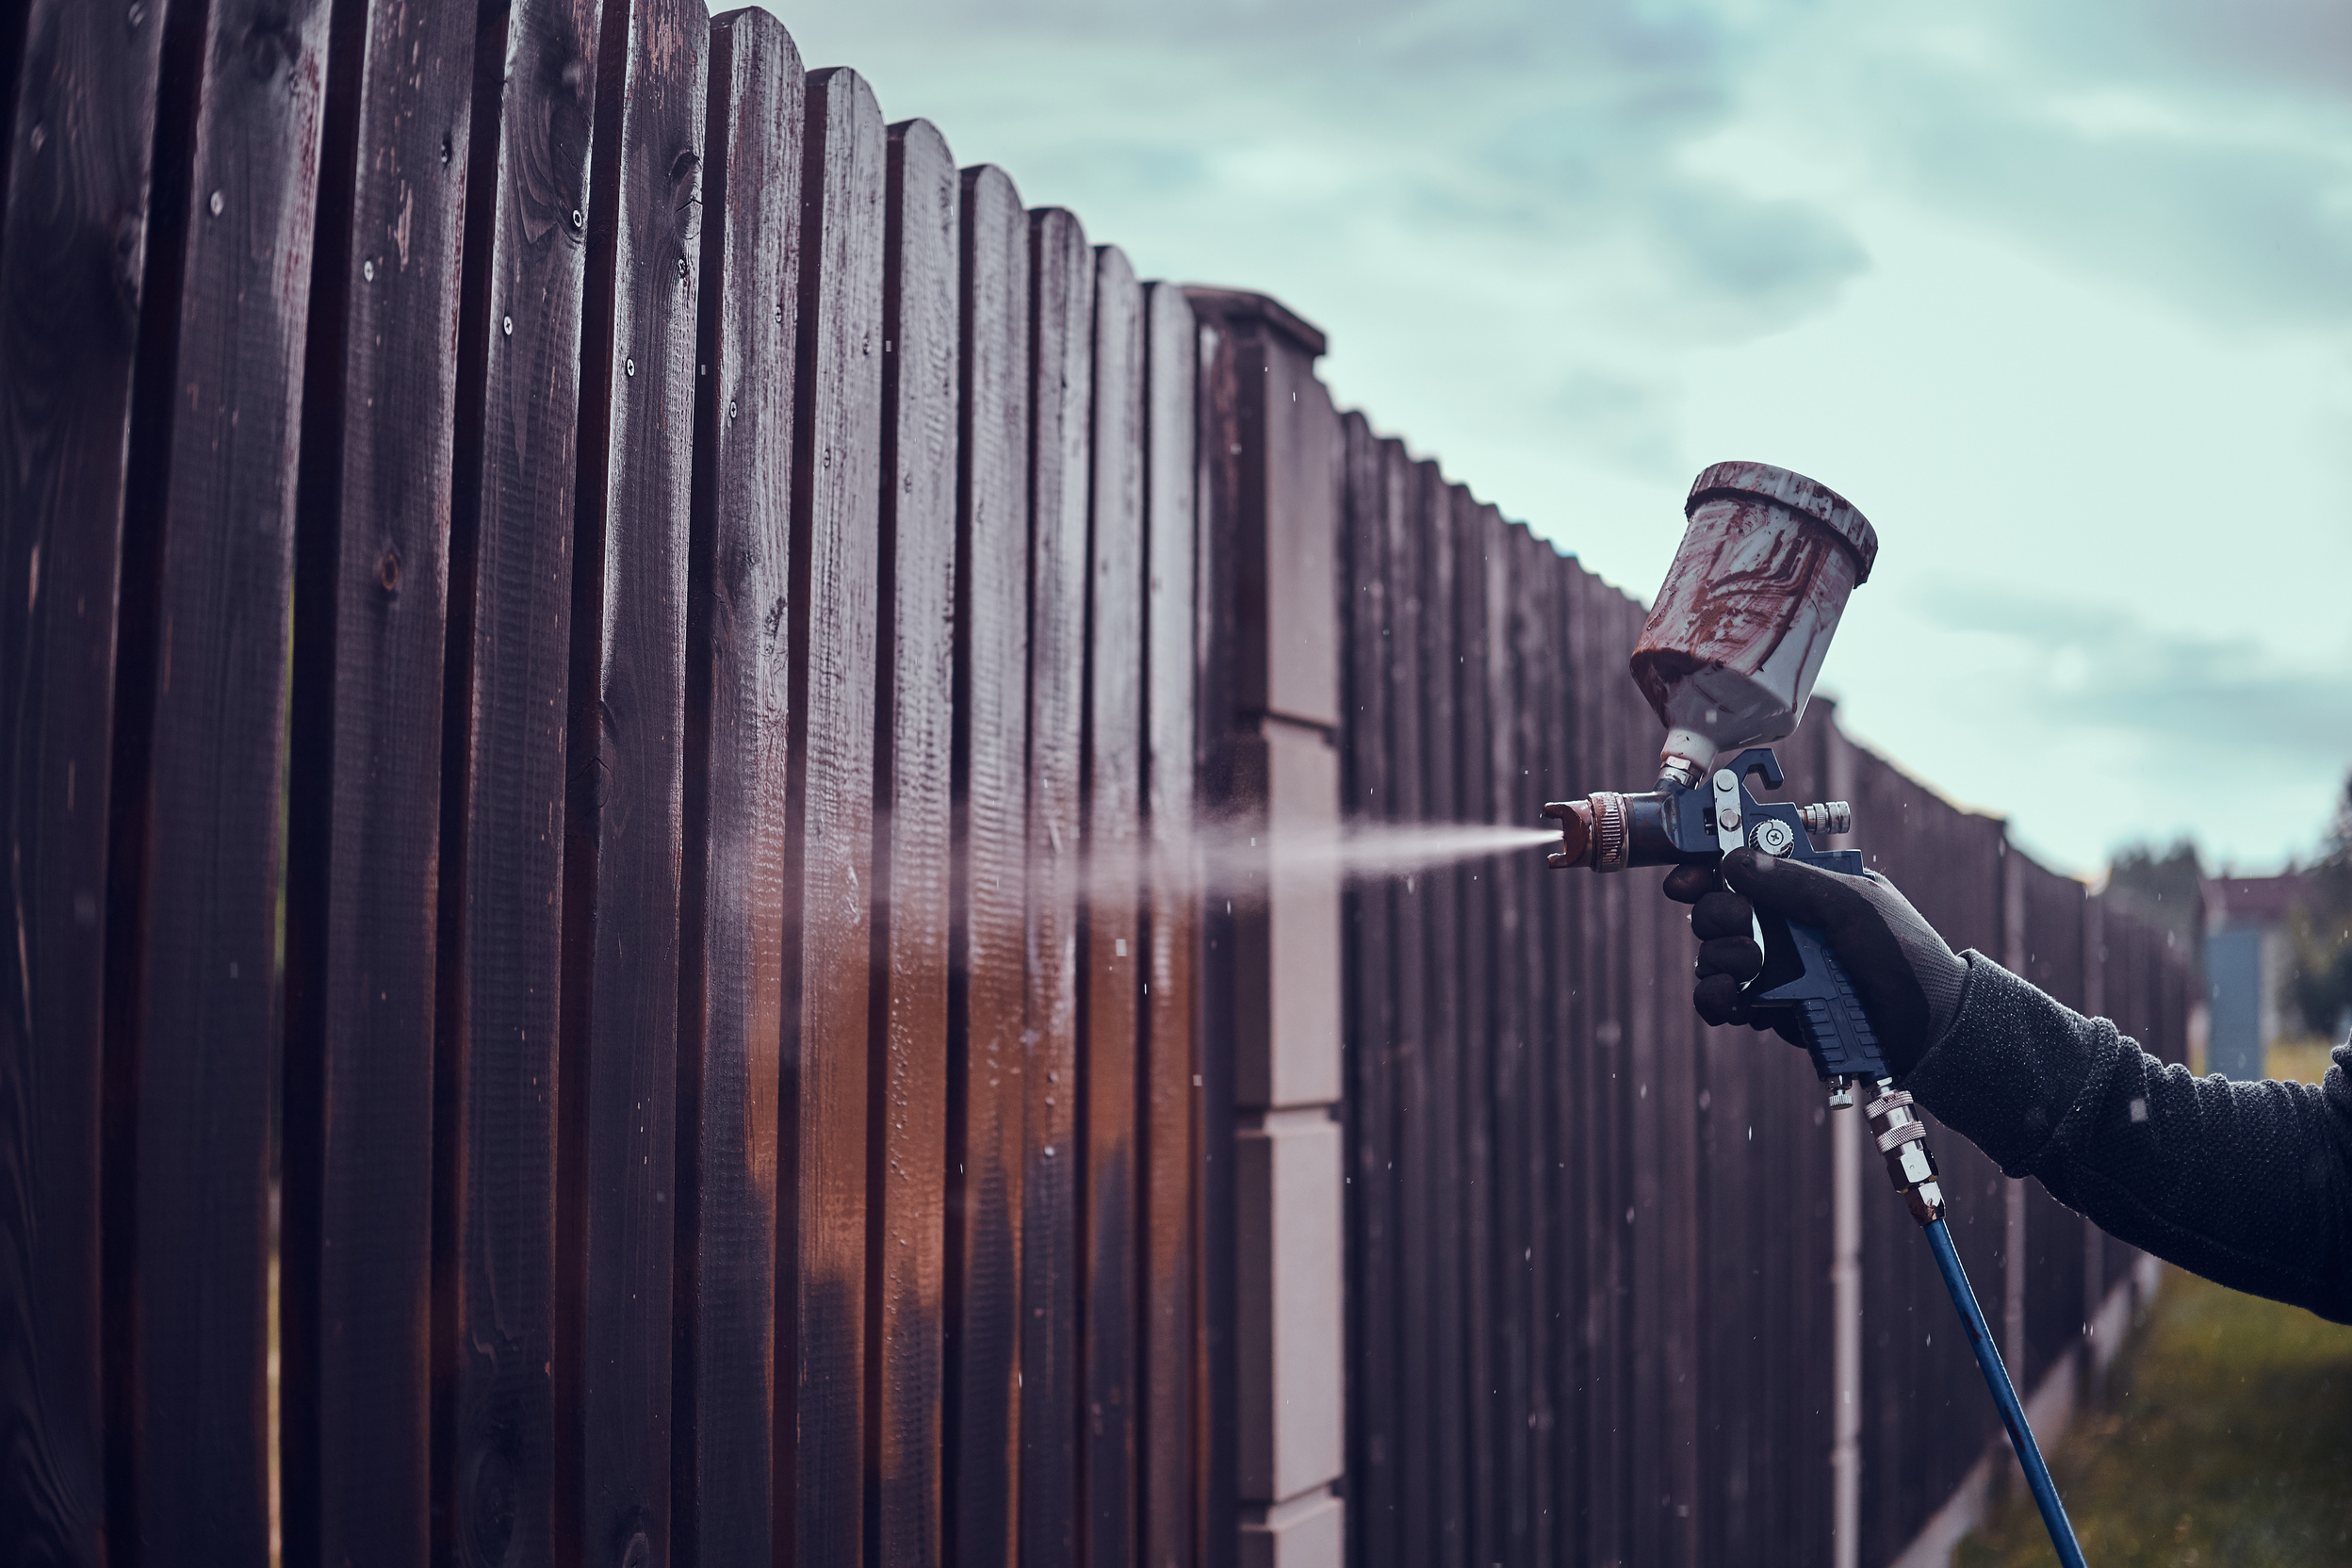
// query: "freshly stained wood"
[[732, 950], [1439, 891], [73, 267], [624, 764], [501, 876], [1171, 1105], [1374, 1425], [1061, 309], [828, 869], [1420, 1194], [913, 842], [1110, 951], [206, 578], [987, 994], [364, 789], [1473, 961]]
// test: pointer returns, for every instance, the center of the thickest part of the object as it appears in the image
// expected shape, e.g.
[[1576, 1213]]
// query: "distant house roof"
[[2252, 900]]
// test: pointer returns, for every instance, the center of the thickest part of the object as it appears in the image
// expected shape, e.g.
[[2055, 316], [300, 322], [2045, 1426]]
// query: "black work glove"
[[1908, 977]]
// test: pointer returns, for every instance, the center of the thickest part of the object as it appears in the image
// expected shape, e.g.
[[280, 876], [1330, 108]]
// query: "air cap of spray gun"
[[1729, 653]]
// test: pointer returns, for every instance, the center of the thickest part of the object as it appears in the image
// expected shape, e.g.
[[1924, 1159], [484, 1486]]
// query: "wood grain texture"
[[500, 943], [828, 874], [738, 698], [372, 570], [1474, 963], [1219, 744], [1446, 1086], [1061, 311], [1168, 1158], [1110, 951], [625, 753], [73, 267], [1375, 1437], [914, 744], [1419, 1189], [1530, 691], [988, 1073], [201, 744]]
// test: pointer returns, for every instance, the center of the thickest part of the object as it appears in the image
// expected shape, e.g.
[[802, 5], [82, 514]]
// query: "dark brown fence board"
[[503, 771], [208, 578], [1420, 1194], [1463, 763], [1373, 1428], [1439, 889], [913, 838], [1516, 1106], [828, 867], [1061, 312], [1566, 997], [732, 948], [1109, 933], [363, 788], [618, 1127], [1169, 1496], [988, 993], [71, 281]]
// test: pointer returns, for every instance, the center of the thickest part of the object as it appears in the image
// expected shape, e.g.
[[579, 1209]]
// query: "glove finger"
[[1718, 1000], [1804, 893], [1737, 956], [1721, 914], [1689, 883]]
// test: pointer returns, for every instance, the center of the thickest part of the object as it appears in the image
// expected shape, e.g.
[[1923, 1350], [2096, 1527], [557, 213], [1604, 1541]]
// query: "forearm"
[[2245, 1183]]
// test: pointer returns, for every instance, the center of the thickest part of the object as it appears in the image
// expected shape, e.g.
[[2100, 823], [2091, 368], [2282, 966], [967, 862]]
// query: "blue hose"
[[2006, 1395]]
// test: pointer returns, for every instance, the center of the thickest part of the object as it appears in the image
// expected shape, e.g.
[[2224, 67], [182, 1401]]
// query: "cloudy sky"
[[2060, 295]]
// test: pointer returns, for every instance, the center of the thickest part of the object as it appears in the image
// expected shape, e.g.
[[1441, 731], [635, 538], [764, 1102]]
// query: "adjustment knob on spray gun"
[[1727, 659]]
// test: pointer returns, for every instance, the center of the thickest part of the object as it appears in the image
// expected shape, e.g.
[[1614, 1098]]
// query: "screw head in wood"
[[507, 326], [629, 366], [216, 203], [367, 270]]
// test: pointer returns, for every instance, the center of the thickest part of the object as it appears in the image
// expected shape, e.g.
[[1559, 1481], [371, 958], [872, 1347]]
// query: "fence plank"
[[913, 747], [207, 568], [1518, 688], [1417, 1185], [79, 142], [1109, 933], [1473, 962], [364, 789], [618, 1127], [77, 154], [833, 613], [731, 949], [1374, 1435], [1170, 1101], [503, 768], [1567, 994], [1061, 316], [1441, 894], [987, 994]]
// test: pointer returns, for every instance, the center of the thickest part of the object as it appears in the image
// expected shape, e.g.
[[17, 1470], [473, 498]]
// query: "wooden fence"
[[1594, 1248], [607, 667]]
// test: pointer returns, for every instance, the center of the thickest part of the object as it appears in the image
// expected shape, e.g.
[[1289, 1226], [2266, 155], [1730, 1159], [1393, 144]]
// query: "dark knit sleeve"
[[2249, 1184]]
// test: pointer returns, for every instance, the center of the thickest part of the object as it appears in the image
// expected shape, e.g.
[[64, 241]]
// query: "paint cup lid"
[[1797, 493]]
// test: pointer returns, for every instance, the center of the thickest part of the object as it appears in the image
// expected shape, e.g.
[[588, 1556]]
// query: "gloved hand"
[[1908, 977]]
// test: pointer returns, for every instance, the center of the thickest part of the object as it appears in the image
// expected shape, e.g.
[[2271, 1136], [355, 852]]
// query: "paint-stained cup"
[[1736, 636]]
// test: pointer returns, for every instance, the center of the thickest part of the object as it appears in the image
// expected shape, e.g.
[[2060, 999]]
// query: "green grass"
[[2224, 1439]]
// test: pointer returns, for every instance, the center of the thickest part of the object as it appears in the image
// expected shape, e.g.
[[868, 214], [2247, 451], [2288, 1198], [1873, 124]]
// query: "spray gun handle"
[[1804, 983]]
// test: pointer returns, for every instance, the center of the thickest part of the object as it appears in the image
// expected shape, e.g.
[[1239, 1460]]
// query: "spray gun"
[[1727, 659]]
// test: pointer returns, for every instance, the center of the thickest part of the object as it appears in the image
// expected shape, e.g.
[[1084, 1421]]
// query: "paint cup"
[[1729, 653]]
